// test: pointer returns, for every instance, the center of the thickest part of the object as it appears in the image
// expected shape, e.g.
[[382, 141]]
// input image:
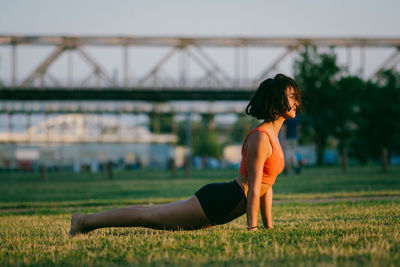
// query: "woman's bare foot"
[[77, 224]]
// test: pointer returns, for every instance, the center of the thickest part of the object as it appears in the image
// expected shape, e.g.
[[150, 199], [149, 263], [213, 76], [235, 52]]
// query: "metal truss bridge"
[[198, 72]]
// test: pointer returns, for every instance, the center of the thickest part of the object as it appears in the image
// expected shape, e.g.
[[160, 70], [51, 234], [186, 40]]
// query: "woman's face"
[[291, 113]]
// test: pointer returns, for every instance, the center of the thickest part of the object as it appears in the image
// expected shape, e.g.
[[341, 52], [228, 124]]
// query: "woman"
[[262, 160]]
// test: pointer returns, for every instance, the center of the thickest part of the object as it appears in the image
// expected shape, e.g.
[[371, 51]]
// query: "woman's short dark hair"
[[270, 100]]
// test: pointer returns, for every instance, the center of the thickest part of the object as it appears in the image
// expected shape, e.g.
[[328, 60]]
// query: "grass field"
[[322, 218]]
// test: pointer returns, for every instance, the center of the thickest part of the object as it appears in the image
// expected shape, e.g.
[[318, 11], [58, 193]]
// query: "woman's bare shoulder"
[[259, 141]]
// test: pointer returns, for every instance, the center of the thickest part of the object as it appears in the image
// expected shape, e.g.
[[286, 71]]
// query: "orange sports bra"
[[273, 165]]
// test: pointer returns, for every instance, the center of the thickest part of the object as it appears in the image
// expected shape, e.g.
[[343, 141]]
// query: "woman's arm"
[[266, 208], [258, 148]]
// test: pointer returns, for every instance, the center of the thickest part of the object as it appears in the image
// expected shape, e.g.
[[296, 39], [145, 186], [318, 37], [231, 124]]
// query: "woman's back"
[[273, 165]]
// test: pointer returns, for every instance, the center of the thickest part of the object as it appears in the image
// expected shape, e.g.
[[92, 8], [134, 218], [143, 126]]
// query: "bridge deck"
[[146, 94]]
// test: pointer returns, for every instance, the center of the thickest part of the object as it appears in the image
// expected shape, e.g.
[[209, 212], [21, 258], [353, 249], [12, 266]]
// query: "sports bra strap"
[[260, 130]]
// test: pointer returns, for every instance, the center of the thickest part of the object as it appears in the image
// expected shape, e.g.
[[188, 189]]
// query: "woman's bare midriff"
[[243, 182]]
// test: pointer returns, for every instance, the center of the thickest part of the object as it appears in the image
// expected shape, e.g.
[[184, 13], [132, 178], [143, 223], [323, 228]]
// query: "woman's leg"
[[186, 214]]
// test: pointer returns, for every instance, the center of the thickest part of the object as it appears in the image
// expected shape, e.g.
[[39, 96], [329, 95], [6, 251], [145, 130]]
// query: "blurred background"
[[101, 86]]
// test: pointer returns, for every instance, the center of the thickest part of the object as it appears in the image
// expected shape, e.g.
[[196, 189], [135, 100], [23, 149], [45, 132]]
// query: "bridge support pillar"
[[188, 157]]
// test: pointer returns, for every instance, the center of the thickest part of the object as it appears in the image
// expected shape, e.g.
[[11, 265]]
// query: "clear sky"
[[256, 18], [202, 17]]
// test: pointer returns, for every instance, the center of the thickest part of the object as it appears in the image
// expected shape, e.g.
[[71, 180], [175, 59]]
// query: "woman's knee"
[[186, 214], [139, 215], [153, 217]]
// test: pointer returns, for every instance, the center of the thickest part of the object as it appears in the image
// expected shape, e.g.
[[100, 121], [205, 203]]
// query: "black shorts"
[[222, 202]]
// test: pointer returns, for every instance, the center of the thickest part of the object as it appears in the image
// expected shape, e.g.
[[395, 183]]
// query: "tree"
[[207, 145], [389, 109], [379, 112], [205, 138], [348, 92], [316, 73], [242, 127], [161, 122]]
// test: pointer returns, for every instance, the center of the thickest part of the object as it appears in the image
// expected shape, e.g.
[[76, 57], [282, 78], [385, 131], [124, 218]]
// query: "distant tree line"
[[361, 115]]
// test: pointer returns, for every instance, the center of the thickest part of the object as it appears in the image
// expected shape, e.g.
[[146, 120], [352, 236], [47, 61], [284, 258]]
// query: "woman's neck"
[[275, 126]]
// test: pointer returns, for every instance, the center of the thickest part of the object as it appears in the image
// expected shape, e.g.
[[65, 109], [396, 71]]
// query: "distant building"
[[74, 140]]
